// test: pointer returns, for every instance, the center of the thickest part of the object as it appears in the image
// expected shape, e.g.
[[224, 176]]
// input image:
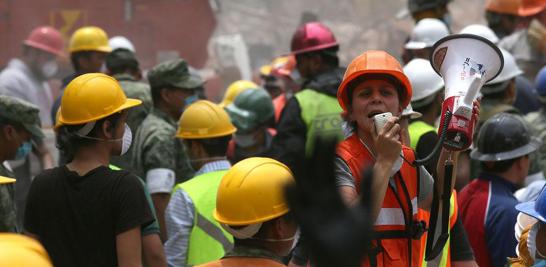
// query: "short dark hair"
[[68, 142], [215, 147], [498, 166]]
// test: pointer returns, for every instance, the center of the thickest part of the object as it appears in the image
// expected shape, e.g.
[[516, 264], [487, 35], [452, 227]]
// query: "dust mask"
[[126, 140], [50, 68]]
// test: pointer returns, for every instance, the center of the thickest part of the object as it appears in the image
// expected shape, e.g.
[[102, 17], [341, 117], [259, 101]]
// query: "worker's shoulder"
[[511, 41]]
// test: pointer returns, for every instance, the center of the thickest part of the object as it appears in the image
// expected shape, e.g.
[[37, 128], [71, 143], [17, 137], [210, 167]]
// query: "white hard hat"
[[412, 114], [121, 42], [426, 33], [509, 71], [424, 80], [481, 30]]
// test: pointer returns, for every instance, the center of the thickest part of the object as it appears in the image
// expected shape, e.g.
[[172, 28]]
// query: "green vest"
[[208, 240], [416, 130], [321, 114]]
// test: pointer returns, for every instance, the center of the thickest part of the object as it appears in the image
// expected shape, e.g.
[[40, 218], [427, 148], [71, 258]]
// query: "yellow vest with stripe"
[[321, 114], [445, 256], [208, 240], [416, 130]]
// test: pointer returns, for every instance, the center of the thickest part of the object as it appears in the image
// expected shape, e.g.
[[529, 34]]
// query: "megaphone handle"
[[473, 90]]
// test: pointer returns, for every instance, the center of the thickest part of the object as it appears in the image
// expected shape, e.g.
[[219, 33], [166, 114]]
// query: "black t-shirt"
[[77, 217]]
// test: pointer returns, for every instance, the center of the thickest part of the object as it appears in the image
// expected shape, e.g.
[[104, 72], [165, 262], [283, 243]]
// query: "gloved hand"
[[335, 234]]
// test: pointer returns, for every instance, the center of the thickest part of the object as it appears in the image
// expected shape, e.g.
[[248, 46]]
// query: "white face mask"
[[50, 68], [126, 140], [245, 140]]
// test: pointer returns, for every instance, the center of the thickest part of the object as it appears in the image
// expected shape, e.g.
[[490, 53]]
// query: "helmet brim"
[[342, 93], [529, 209], [532, 146]]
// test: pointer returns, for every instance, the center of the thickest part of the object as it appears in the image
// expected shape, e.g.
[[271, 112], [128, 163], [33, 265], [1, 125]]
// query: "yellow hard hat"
[[21, 251], [252, 191], [6, 180], [204, 119], [91, 97], [89, 38], [235, 89]]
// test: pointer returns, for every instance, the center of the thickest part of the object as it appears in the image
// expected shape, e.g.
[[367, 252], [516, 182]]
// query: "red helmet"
[[312, 36], [46, 38]]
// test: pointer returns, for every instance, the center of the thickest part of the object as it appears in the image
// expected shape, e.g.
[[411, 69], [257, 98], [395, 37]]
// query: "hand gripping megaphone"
[[465, 62]]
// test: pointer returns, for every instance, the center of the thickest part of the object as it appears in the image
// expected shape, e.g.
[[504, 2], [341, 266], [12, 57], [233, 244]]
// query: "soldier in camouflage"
[[123, 65], [158, 156], [19, 123]]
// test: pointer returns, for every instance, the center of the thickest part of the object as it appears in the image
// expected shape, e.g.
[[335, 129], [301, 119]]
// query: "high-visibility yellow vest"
[[208, 240], [417, 129], [321, 114]]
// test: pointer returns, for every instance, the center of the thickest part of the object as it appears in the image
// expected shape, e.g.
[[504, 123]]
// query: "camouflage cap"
[[121, 58], [19, 111], [173, 73]]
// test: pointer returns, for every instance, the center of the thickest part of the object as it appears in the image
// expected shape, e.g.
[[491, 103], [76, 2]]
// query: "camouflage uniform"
[[14, 111], [8, 220], [156, 146], [158, 155], [136, 90]]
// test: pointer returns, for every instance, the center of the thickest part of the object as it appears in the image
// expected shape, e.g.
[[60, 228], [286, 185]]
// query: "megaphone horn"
[[465, 62]]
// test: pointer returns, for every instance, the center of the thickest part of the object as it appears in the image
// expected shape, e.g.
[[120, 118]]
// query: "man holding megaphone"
[[373, 94]]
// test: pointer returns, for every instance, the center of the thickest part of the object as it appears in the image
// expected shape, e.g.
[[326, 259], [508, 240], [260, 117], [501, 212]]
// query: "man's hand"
[[337, 235]]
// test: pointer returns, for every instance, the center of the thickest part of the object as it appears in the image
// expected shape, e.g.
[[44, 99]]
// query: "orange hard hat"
[[531, 7], [283, 65], [374, 62], [504, 6]]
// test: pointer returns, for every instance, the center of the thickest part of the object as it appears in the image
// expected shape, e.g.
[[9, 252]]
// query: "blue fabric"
[[500, 219]]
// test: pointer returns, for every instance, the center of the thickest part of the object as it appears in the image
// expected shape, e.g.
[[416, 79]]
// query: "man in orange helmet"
[[375, 84], [502, 16], [528, 45]]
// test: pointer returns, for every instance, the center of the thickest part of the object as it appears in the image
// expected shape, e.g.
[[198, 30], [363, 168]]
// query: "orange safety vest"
[[278, 103], [242, 262], [397, 225]]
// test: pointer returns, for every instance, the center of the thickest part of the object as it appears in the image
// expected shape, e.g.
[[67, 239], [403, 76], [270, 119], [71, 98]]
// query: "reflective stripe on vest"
[[417, 129], [394, 251], [321, 114], [394, 216], [445, 256], [208, 240]]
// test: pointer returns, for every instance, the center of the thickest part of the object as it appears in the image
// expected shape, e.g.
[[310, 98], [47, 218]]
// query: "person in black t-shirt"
[[84, 213]]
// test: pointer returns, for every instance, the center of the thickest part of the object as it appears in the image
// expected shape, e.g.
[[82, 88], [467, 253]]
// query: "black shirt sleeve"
[[130, 205], [424, 147], [289, 144], [31, 221], [459, 244]]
